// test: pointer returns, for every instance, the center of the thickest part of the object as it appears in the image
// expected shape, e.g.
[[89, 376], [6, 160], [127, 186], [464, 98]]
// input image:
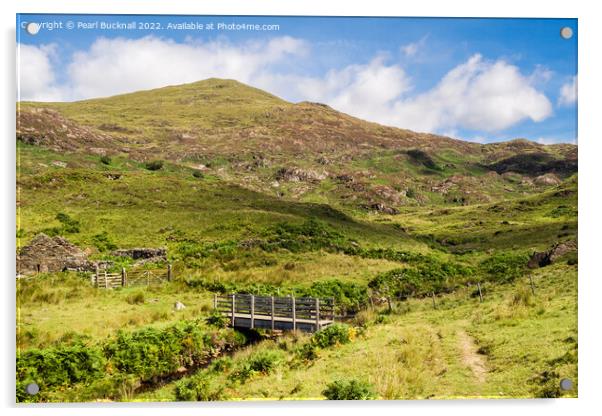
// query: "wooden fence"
[[133, 277], [270, 312]]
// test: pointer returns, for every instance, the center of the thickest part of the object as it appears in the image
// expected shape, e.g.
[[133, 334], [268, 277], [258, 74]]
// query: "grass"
[[417, 353]]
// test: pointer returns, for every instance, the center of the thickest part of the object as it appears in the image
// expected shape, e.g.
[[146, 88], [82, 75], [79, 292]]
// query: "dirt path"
[[471, 358]]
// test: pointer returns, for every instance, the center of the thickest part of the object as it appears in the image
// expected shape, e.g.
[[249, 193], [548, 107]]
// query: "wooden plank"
[[252, 311], [233, 309], [272, 315], [294, 314], [317, 314]]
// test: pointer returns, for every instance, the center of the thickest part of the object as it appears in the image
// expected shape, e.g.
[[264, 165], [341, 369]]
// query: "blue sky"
[[475, 79]]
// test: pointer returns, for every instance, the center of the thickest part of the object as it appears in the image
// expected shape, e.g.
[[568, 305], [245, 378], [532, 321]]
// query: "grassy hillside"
[[249, 193], [305, 151]]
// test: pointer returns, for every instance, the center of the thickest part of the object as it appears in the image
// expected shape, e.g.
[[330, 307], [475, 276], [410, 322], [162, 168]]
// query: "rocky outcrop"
[[545, 258], [51, 254], [549, 179], [382, 208], [299, 175]]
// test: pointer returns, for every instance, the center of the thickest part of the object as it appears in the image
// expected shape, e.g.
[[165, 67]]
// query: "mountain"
[[304, 151]]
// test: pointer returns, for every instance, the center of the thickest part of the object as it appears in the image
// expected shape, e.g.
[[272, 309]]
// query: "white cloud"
[[477, 94], [568, 92], [411, 49], [119, 65], [35, 73], [549, 140]]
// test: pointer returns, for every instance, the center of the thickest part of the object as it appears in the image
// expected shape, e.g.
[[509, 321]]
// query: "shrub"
[[262, 362], [221, 365], [198, 174], [504, 267], [154, 165], [198, 388], [349, 390], [151, 352], [307, 352], [105, 160], [58, 366], [218, 320], [69, 225], [332, 335], [348, 296], [135, 298], [265, 361], [103, 242]]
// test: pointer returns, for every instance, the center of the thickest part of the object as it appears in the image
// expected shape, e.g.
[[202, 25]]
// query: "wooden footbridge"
[[276, 313]]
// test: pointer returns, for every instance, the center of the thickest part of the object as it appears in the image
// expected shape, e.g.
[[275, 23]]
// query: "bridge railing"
[[274, 307]]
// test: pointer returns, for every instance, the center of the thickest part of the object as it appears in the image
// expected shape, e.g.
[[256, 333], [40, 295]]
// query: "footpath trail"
[[470, 356]]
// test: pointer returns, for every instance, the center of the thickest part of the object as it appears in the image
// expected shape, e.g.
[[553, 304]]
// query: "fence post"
[[272, 298], [233, 308], [97, 275], [433, 296], [215, 301], [252, 311], [532, 285], [332, 310], [169, 272], [317, 314], [480, 293], [123, 277], [106, 279], [294, 308]]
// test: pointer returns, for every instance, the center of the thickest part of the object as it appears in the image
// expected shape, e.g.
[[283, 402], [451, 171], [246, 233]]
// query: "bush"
[[349, 390], [105, 160], [198, 174], [505, 267], [221, 365], [218, 320], [103, 242], [68, 226], [262, 362], [154, 165], [347, 296], [152, 352], [332, 335], [265, 361], [199, 388], [58, 366]]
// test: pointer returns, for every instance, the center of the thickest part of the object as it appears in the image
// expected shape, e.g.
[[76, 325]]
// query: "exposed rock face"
[[380, 207], [142, 253], [299, 175], [51, 254], [547, 180], [545, 258]]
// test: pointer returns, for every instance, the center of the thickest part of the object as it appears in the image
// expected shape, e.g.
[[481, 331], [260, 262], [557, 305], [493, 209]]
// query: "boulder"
[[299, 175], [549, 179], [51, 254], [382, 208], [545, 258]]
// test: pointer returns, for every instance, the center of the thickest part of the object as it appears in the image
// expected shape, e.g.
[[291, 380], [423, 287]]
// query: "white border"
[[590, 70]]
